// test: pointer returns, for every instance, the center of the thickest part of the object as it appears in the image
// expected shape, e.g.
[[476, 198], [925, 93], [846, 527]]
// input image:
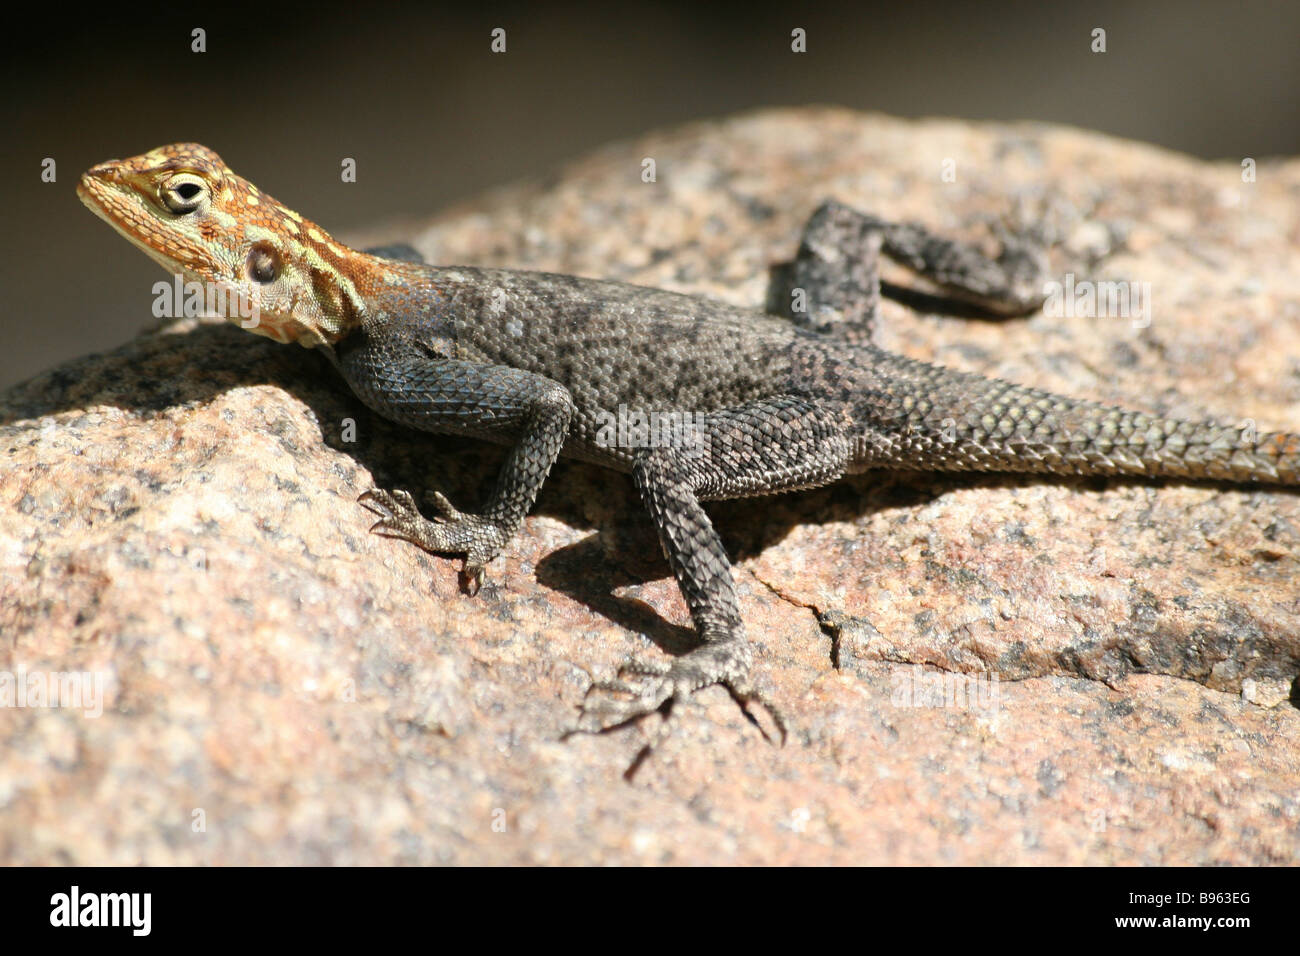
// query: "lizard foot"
[[653, 683], [477, 537]]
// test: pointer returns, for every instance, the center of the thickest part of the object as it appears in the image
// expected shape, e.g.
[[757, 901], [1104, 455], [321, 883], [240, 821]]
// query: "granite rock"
[[977, 669]]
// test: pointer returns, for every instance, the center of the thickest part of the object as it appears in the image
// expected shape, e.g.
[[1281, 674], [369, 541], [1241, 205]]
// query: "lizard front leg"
[[458, 397], [778, 444]]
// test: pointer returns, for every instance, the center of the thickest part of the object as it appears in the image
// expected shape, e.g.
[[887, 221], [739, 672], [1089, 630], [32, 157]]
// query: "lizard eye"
[[263, 262], [183, 193]]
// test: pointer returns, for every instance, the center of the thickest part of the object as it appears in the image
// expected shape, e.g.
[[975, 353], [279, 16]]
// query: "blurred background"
[[432, 116]]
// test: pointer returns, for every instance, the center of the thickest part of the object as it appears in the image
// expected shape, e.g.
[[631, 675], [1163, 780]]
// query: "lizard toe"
[[444, 510], [472, 577], [745, 694], [611, 704]]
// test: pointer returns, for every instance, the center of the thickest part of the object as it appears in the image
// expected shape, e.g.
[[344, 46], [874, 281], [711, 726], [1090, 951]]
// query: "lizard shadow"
[[926, 302], [627, 552], [161, 370]]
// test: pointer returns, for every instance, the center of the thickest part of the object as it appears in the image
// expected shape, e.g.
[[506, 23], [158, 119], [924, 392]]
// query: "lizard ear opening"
[[263, 262]]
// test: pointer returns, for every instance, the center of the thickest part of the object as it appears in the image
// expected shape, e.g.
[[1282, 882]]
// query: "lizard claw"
[[745, 694], [471, 577], [450, 531], [621, 701], [396, 509]]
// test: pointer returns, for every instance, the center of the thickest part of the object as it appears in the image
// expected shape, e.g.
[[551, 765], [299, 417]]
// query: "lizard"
[[790, 397]]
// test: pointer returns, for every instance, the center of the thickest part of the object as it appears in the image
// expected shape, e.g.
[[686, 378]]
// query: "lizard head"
[[191, 214]]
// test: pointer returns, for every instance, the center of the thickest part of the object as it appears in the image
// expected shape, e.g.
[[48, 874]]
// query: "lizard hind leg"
[[1010, 285], [767, 446], [833, 284]]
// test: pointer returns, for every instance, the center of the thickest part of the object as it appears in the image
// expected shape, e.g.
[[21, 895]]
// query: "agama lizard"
[[539, 362]]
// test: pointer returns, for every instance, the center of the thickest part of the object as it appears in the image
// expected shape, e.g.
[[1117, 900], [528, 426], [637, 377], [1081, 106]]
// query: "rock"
[[978, 670]]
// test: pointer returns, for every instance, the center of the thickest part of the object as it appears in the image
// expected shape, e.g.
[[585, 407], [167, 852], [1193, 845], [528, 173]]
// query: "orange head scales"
[[190, 213]]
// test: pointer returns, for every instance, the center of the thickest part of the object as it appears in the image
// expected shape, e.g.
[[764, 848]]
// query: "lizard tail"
[[940, 419]]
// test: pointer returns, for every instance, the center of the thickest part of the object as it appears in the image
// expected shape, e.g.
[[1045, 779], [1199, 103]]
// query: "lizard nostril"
[[96, 181], [110, 171]]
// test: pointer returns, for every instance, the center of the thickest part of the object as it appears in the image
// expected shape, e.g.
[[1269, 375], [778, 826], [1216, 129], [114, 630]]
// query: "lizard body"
[[541, 363]]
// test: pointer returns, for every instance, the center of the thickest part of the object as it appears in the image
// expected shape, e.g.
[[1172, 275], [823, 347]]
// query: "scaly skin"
[[538, 361]]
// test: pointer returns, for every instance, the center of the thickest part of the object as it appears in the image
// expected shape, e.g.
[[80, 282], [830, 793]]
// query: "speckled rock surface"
[[979, 670]]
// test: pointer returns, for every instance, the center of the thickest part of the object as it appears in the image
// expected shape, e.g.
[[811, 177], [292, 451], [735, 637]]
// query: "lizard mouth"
[[101, 186], [100, 191], [105, 192], [94, 192]]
